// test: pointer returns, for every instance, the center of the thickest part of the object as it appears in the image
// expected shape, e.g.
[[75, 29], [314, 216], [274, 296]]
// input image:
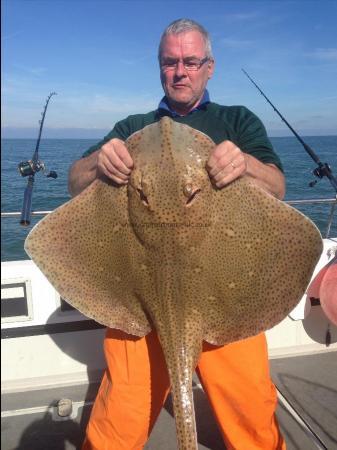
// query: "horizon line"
[[100, 133]]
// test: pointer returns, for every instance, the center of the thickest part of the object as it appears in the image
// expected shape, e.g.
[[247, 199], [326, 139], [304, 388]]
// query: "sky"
[[101, 58]]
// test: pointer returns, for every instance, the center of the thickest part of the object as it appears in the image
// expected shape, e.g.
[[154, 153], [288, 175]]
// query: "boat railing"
[[332, 201], [18, 214]]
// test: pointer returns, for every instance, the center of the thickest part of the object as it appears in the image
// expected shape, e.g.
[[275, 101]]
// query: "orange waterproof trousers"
[[135, 385]]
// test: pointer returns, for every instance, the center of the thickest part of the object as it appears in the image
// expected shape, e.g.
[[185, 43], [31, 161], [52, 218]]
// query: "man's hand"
[[226, 163], [114, 161]]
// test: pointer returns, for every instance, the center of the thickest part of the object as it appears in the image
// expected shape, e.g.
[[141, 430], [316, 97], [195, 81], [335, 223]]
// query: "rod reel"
[[28, 168], [323, 170]]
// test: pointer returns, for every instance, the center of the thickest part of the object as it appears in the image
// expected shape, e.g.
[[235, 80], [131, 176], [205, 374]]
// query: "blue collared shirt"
[[165, 105]]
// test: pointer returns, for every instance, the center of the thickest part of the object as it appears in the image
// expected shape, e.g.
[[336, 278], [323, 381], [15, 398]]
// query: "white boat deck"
[[309, 382]]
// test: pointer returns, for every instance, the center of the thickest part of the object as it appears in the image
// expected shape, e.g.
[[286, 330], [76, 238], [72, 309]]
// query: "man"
[[235, 377]]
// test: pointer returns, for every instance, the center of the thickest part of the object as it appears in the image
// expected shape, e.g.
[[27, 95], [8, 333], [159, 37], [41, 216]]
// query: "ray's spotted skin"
[[173, 252]]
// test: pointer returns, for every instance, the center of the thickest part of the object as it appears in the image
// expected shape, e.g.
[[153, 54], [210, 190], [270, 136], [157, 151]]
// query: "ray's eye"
[[190, 192], [192, 196], [143, 197]]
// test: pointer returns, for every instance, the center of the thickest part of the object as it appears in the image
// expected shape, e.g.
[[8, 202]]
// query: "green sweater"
[[220, 123]]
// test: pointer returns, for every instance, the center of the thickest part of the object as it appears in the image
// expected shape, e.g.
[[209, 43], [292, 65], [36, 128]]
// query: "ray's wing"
[[85, 248], [261, 255]]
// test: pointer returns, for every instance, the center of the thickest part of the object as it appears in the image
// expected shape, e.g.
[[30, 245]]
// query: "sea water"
[[58, 154]]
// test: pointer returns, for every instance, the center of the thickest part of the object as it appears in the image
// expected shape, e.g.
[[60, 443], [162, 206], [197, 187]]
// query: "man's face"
[[184, 88]]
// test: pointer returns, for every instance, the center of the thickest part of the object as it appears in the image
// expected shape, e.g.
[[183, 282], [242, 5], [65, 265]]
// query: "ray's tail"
[[181, 360]]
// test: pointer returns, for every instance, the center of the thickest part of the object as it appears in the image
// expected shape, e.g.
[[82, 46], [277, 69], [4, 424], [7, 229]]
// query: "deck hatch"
[[16, 300]]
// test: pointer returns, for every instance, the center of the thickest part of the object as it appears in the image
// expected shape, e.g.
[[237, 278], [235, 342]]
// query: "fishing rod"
[[30, 168], [322, 169]]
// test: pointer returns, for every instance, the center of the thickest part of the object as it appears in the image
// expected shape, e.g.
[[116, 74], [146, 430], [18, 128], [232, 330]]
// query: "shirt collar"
[[165, 105]]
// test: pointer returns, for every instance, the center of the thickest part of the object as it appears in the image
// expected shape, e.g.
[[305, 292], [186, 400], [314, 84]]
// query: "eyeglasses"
[[190, 64]]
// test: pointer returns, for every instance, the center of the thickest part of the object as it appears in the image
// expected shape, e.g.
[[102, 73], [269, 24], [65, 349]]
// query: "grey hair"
[[183, 26]]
